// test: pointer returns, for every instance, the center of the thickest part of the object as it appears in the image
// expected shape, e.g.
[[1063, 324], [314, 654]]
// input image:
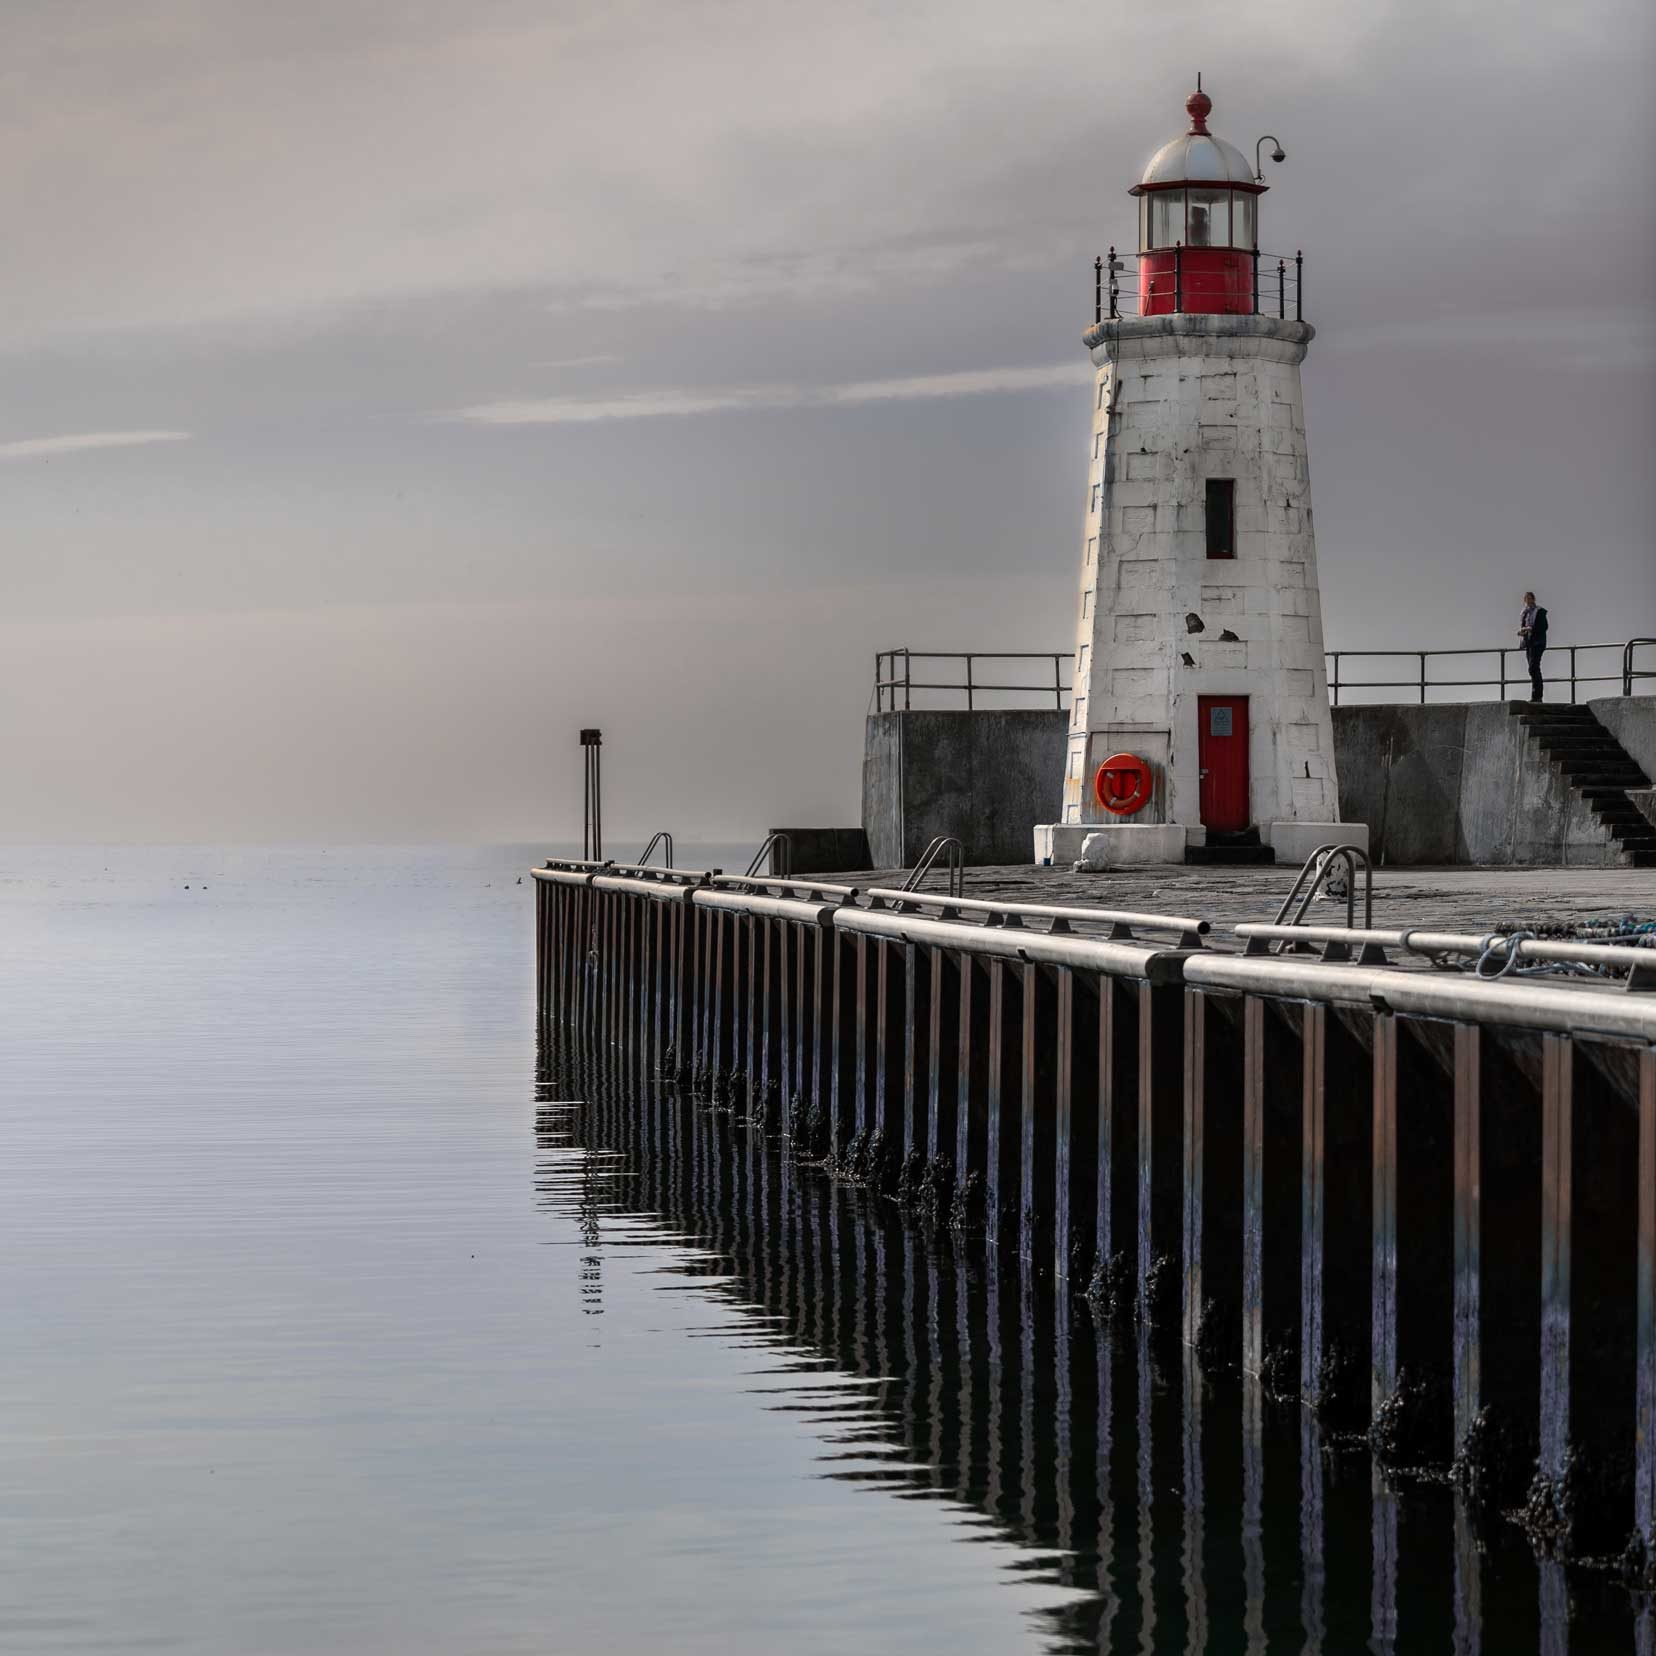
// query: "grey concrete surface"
[[985, 777], [1465, 782], [1452, 783], [817, 850], [1469, 899]]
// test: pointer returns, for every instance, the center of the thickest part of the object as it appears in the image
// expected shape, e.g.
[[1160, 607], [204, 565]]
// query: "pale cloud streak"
[[678, 403], [38, 448]]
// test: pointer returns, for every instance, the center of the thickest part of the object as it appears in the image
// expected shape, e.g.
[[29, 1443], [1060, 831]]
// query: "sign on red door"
[[1222, 750]]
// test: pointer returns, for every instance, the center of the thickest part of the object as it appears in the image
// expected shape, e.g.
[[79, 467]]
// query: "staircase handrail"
[[769, 849], [947, 846], [1317, 869], [662, 838]]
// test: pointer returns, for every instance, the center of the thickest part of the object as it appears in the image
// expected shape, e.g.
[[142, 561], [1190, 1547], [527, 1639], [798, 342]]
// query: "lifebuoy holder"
[[1122, 784]]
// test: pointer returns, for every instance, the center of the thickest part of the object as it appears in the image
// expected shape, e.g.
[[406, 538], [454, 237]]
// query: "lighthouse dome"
[[1197, 156]]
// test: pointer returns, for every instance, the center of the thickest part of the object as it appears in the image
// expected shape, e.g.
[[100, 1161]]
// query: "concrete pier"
[[1360, 1181]]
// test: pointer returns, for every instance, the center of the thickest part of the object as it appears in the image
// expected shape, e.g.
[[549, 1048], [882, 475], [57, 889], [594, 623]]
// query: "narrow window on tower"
[[1221, 517]]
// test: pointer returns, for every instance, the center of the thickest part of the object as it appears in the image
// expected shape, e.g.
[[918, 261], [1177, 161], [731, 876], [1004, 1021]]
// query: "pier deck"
[[1447, 899]]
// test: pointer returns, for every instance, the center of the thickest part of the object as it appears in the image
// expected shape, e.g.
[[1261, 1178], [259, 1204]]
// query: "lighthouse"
[[1199, 724]]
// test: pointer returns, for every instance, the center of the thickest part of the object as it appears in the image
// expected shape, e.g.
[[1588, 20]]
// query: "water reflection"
[[1184, 1510]]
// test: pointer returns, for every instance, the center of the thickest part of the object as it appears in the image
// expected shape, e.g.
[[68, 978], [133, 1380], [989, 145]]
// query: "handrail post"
[[1112, 284], [1334, 686], [1422, 678], [908, 681], [1098, 290], [1502, 654], [1572, 675], [1282, 290], [1256, 281], [1178, 276], [968, 683], [1058, 684], [1299, 285]]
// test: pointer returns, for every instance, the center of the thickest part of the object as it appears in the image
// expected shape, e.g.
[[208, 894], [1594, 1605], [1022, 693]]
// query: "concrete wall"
[[986, 778], [1457, 783], [825, 850], [1462, 783]]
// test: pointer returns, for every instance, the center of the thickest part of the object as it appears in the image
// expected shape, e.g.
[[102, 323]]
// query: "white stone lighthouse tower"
[[1200, 722]]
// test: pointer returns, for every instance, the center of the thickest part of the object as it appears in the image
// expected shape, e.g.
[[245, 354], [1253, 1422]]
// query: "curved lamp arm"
[[1277, 154]]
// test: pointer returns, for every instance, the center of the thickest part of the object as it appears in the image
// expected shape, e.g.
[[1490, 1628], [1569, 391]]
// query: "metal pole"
[[1282, 292], [1112, 284], [1572, 673], [908, 681], [1256, 281], [1299, 286], [1098, 288], [592, 825], [1178, 276], [1334, 688], [1502, 654], [1058, 683], [1422, 678], [968, 684]]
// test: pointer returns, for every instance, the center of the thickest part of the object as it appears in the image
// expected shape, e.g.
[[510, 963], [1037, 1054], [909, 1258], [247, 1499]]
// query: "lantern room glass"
[[1198, 217], [1208, 221]]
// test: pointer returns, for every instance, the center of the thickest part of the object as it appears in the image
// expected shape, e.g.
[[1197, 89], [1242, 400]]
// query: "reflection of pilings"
[[1198, 1512], [1381, 1210]]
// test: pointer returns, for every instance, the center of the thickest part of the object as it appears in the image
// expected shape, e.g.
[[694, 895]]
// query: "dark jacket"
[[1538, 629]]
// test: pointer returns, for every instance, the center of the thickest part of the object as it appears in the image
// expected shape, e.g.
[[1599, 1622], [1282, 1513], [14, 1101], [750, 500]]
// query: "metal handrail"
[[943, 845], [887, 679], [1063, 917], [660, 837], [777, 882], [1637, 960], [1517, 676], [1628, 675], [773, 843], [890, 682], [1318, 868], [1276, 285]]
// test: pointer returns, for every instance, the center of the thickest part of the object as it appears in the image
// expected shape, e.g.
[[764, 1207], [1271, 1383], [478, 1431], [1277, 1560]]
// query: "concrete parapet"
[[1462, 782], [825, 850], [986, 777]]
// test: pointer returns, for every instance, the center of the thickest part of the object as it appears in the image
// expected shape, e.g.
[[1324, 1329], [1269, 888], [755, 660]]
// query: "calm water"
[[341, 1317]]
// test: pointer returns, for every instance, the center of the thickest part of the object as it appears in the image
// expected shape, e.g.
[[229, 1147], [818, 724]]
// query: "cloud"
[[670, 403], [33, 448], [580, 361], [1602, 341]]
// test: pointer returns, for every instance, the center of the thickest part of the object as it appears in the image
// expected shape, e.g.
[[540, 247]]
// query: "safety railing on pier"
[[1627, 664], [979, 677]]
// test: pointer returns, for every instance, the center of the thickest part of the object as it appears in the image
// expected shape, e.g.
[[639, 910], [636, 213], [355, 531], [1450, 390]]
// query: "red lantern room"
[[1198, 223]]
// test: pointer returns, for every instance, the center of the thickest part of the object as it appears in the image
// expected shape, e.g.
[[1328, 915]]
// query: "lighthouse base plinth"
[[1111, 845], [1293, 842]]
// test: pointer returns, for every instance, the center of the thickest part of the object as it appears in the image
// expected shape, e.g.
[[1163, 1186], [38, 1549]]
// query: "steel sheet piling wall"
[[1434, 1223]]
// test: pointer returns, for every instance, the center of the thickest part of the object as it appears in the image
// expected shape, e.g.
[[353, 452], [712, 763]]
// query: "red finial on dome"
[[1198, 106]]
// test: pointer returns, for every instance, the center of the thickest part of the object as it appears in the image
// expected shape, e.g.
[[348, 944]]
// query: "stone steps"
[[1598, 769]]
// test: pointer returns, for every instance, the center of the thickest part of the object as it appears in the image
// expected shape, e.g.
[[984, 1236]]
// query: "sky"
[[389, 388]]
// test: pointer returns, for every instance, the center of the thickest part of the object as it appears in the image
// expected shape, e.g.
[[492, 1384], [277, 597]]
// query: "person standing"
[[1532, 634]]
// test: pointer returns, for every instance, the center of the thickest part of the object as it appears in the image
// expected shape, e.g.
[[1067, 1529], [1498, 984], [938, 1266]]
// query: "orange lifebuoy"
[[1122, 784]]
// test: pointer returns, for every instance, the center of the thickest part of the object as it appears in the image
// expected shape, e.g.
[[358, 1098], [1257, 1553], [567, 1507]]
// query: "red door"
[[1222, 752]]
